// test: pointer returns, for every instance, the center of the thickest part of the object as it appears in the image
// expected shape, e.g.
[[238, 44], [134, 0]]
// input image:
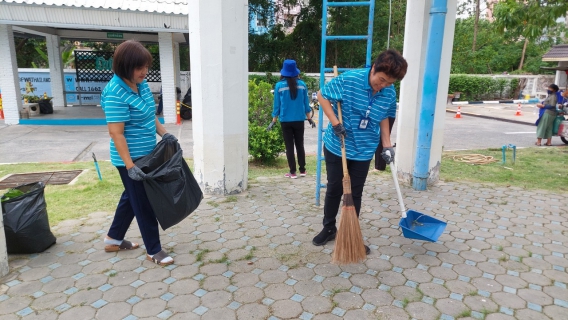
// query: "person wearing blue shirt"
[[130, 110], [368, 99], [291, 105]]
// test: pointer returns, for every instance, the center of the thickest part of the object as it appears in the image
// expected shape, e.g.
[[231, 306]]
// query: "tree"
[[496, 52], [528, 20], [267, 51], [475, 27]]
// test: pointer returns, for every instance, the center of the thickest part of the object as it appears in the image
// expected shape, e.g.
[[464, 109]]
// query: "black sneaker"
[[324, 236], [367, 250]]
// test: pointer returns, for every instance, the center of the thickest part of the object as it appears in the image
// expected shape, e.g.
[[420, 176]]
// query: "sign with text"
[[114, 35]]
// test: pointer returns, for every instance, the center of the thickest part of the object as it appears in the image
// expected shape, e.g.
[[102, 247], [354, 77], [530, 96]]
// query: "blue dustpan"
[[421, 227], [416, 225]]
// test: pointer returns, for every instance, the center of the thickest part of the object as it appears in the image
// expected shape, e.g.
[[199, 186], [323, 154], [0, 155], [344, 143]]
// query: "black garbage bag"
[[45, 106], [172, 189], [26, 224]]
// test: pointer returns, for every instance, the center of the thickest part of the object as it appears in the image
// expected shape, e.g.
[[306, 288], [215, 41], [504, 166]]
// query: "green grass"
[[464, 314], [535, 168], [87, 195], [224, 259], [250, 254], [405, 302], [201, 254]]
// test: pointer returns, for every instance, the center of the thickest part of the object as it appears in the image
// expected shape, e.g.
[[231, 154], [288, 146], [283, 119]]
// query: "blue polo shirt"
[[285, 108], [137, 112], [353, 90]]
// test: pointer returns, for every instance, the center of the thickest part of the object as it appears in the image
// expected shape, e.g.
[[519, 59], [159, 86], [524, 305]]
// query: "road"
[[63, 143], [468, 133]]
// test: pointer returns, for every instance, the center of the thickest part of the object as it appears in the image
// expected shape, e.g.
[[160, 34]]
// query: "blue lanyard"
[[371, 101]]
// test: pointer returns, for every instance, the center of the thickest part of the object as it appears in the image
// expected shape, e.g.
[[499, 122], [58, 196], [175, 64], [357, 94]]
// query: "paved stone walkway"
[[503, 256]]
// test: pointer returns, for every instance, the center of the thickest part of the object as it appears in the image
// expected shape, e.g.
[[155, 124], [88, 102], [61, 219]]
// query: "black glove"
[[339, 130], [136, 173], [270, 126], [312, 123], [169, 136], [388, 155]]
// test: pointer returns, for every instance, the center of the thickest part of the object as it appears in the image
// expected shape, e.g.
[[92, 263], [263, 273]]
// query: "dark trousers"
[[380, 163], [134, 203], [293, 133], [358, 171], [160, 105]]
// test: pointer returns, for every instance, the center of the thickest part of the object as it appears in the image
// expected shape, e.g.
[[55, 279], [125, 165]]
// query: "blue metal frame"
[[323, 69]]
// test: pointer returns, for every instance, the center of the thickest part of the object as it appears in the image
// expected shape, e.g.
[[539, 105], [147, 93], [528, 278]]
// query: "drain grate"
[[53, 177]]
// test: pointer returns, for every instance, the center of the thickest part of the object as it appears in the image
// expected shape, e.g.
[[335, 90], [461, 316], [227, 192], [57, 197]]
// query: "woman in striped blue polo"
[[367, 99], [132, 124]]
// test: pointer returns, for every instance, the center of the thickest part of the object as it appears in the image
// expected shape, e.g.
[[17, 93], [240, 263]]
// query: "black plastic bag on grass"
[[170, 186], [26, 223]]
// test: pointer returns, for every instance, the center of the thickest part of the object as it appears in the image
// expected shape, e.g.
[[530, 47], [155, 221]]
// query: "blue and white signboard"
[[40, 80]]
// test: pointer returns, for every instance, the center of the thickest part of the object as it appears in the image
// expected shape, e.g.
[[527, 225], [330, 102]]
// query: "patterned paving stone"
[[498, 261]]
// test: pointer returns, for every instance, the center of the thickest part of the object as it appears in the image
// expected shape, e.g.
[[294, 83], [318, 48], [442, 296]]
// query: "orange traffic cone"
[[519, 113], [178, 119], [458, 114], [1, 108]]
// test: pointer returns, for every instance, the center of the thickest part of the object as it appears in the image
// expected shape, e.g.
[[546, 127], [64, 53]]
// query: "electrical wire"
[[474, 158]]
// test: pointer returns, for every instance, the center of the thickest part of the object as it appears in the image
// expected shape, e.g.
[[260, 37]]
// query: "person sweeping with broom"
[[358, 104]]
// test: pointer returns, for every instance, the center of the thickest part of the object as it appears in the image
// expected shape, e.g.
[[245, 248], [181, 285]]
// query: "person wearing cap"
[[368, 99], [291, 105]]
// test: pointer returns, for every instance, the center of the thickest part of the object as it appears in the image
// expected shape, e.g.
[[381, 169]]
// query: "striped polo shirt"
[[353, 90], [285, 108], [136, 111]]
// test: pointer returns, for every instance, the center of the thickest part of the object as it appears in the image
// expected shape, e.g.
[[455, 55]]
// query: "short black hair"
[[554, 87], [129, 56], [391, 63]]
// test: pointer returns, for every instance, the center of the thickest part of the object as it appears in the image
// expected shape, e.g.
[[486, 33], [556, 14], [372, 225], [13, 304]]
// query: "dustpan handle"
[[397, 187]]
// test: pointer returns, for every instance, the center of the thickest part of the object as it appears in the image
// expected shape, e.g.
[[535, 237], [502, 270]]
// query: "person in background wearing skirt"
[[546, 121], [291, 105]]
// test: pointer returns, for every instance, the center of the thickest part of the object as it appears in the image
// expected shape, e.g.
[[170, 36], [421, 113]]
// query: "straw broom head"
[[349, 247]]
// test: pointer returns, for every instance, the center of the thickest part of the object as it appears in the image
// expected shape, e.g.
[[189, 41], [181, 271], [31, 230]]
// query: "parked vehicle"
[[314, 104]]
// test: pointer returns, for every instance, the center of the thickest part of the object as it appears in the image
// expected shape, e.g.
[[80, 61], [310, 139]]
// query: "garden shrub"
[[264, 146], [475, 88]]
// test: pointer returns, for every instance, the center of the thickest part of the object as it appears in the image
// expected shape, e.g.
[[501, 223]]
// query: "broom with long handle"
[[349, 247]]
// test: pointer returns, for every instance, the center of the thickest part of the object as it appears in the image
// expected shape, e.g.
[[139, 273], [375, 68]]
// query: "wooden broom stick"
[[349, 247]]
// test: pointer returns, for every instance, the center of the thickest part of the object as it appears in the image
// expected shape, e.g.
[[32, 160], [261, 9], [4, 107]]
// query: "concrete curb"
[[515, 101], [490, 117]]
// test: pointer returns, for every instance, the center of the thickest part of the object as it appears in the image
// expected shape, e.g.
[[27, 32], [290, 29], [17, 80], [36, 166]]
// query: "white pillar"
[[177, 67], [11, 95], [561, 79], [55, 71], [4, 266], [415, 43], [167, 69], [218, 33]]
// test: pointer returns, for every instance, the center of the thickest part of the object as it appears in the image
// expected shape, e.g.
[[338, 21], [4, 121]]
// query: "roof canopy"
[[119, 15], [557, 53]]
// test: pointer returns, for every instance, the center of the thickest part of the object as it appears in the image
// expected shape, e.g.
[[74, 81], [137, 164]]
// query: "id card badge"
[[365, 120]]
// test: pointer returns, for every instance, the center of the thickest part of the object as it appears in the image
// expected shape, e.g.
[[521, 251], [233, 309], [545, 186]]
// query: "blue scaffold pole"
[[324, 38]]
